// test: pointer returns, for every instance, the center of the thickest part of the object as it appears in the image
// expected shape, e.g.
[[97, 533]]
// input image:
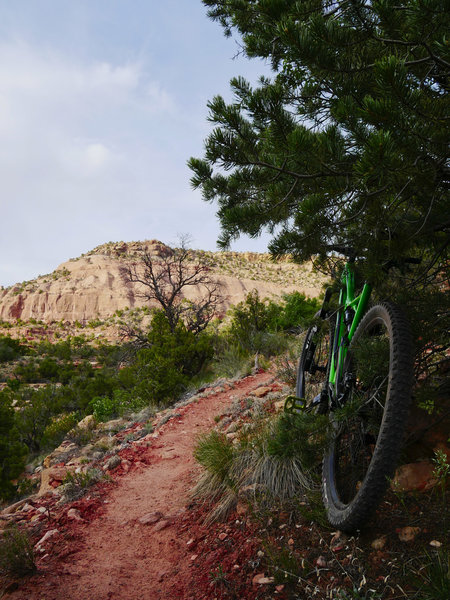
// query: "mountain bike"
[[356, 365]]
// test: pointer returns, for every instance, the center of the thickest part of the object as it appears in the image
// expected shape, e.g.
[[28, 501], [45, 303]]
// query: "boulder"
[[89, 422], [414, 476], [50, 477]]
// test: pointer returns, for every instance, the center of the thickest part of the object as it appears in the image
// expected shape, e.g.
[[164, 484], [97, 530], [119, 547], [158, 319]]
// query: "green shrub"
[[163, 370], [57, 429], [122, 402], [12, 451], [10, 349], [16, 552], [297, 311], [257, 325], [49, 369]]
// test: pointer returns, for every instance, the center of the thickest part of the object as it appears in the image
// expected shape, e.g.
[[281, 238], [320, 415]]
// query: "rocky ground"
[[137, 533]]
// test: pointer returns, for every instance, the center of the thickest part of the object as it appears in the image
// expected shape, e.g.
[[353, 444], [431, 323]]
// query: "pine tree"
[[347, 143]]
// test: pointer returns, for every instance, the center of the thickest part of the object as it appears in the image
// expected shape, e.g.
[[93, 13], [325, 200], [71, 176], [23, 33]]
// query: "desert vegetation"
[[47, 388]]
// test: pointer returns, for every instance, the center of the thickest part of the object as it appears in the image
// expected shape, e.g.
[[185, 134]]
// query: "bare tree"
[[164, 277]]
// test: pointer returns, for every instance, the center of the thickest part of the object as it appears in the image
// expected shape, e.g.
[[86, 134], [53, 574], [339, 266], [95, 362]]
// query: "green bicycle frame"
[[351, 310]]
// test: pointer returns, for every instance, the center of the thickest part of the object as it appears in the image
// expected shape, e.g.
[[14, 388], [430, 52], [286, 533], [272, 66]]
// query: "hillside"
[[92, 286]]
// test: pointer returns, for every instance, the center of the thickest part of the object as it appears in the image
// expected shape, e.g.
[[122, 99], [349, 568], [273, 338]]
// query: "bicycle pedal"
[[293, 404]]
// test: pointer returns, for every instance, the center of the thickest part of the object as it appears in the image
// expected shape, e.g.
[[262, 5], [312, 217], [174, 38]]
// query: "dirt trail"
[[121, 558]]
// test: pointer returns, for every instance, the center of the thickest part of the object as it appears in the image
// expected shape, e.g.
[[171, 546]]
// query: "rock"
[[162, 524], [261, 391], [112, 425], [408, 534], [74, 514], [261, 579], [279, 405], [46, 537], [49, 477], [321, 562], [222, 536], [93, 287], [414, 476], [112, 463], [89, 422], [13, 507], [150, 518], [435, 544], [106, 442], [61, 454], [379, 543]]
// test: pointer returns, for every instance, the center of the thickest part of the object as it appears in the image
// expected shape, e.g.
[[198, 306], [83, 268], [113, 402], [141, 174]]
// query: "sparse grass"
[[432, 574], [75, 485], [16, 553]]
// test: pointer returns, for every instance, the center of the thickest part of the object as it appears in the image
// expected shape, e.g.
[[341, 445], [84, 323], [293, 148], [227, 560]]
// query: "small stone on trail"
[[435, 544], [194, 556], [407, 534], [43, 539], [162, 525], [74, 514], [150, 518], [112, 463], [379, 543], [223, 536], [190, 542], [260, 554], [261, 579], [321, 562]]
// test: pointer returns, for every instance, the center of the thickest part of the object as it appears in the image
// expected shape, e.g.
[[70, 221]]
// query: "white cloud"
[[97, 155]]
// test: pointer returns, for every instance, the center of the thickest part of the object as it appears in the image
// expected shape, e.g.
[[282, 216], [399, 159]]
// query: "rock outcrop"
[[93, 286]]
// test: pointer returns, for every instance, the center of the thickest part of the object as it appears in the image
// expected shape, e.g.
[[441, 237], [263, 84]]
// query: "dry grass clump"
[[75, 485], [273, 461]]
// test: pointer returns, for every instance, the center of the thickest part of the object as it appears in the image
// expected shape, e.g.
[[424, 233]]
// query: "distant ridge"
[[92, 286]]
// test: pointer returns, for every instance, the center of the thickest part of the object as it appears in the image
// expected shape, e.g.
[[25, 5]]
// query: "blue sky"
[[102, 102]]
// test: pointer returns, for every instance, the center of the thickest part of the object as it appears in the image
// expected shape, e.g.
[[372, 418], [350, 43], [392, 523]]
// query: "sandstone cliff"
[[93, 286]]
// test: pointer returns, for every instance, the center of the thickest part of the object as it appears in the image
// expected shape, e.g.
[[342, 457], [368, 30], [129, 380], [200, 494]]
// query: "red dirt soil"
[[111, 554]]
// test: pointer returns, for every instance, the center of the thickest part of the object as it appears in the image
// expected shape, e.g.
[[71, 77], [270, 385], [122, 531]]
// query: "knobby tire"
[[369, 429]]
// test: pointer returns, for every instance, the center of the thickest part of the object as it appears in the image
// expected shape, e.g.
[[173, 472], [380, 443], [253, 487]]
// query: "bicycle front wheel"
[[369, 428], [313, 366]]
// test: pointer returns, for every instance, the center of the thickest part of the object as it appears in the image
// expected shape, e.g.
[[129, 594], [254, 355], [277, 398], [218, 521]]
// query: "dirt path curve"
[[121, 558]]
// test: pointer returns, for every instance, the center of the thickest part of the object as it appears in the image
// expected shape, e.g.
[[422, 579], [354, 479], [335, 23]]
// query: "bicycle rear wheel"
[[369, 428], [313, 366]]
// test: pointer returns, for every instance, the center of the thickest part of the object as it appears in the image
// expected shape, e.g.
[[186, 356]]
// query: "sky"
[[102, 102]]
